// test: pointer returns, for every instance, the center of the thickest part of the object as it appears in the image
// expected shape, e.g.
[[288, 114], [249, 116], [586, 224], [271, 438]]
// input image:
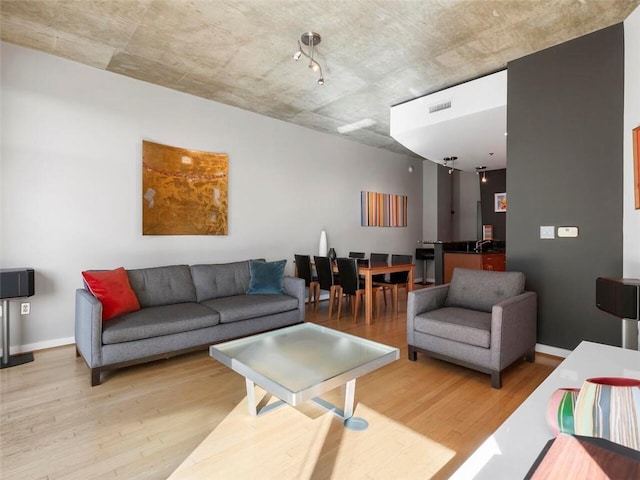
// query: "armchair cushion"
[[481, 289], [457, 324]]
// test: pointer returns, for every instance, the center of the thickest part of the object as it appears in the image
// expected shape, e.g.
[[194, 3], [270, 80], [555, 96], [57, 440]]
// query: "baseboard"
[[32, 347], [59, 342], [555, 351]]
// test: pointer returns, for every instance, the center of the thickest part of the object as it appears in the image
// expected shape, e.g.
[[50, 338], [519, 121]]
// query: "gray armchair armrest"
[[88, 327], [423, 300], [294, 286], [514, 322]]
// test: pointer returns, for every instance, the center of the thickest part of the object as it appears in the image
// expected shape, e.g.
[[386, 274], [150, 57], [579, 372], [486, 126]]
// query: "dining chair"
[[379, 280], [303, 270], [356, 255], [351, 285], [326, 280], [398, 279]]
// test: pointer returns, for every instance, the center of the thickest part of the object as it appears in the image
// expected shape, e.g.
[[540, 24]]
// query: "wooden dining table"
[[376, 268]]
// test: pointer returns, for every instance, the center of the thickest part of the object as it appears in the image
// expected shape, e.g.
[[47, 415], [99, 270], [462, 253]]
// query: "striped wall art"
[[383, 210]]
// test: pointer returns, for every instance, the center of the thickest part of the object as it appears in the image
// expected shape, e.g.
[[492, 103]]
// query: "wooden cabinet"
[[494, 261], [474, 261]]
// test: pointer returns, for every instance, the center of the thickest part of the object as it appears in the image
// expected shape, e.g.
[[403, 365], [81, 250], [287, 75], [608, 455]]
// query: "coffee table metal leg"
[[253, 406], [251, 398], [348, 398], [351, 422]]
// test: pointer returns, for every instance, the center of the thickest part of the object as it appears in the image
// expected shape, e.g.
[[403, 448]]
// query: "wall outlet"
[[25, 308]]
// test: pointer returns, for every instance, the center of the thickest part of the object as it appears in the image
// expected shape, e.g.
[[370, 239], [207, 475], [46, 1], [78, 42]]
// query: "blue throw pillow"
[[266, 277]]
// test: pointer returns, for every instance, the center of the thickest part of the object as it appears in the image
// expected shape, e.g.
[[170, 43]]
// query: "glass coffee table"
[[301, 362]]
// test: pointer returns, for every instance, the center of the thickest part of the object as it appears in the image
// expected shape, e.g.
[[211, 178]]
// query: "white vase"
[[322, 249]]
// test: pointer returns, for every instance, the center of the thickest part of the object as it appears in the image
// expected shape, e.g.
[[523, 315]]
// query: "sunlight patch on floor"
[[476, 462], [307, 442]]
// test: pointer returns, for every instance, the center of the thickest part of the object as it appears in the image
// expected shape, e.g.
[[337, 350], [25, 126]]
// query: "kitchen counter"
[[474, 260], [467, 254]]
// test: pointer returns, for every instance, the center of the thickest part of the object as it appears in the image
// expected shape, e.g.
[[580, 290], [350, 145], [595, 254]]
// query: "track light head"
[[297, 55]]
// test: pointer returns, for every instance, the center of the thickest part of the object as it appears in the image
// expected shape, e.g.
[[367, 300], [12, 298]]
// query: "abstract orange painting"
[[184, 192]]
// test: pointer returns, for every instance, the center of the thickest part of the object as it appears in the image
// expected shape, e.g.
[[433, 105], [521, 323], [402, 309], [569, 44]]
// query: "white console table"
[[515, 445]]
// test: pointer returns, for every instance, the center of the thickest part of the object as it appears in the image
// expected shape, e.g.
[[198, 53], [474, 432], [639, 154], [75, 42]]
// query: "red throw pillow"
[[114, 291]]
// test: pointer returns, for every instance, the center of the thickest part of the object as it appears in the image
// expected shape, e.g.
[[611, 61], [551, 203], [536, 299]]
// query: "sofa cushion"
[[220, 280], [162, 285], [266, 277], [243, 307], [158, 321], [457, 324], [482, 289], [114, 291]]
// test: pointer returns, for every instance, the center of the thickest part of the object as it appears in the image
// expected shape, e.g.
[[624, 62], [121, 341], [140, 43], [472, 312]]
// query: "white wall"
[[631, 216], [71, 183]]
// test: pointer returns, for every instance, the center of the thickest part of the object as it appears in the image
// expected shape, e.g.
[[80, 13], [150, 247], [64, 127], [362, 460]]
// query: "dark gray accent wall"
[[564, 168], [496, 183], [445, 204]]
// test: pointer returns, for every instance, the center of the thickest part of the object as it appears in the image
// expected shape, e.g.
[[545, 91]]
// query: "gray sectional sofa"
[[182, 308]]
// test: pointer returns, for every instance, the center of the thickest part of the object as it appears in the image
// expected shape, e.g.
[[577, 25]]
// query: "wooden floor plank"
[[144, 421]]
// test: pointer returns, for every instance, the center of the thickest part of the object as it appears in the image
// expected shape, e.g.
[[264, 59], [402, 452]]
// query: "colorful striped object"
[[560, 410], [383, 210], [609, 408]]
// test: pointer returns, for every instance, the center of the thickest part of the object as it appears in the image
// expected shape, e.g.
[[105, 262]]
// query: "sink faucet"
[[479, 244]]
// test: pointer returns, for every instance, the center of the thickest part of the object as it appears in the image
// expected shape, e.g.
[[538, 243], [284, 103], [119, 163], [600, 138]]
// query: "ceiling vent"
[[469, 119], [440, 106]]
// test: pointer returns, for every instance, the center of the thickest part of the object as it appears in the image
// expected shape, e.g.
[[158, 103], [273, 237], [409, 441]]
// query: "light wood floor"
[[144, 421]]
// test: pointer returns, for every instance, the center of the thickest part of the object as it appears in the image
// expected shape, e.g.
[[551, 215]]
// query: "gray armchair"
[[482, 320]]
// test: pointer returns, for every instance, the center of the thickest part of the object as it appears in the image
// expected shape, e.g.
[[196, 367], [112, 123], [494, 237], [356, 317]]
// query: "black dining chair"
[[351, 285], [398, 279], [326, 280], [356, 255], [303, 270], [379, 280]]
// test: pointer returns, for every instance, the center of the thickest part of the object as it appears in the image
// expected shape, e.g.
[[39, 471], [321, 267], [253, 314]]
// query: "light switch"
[[547, 232], [567, 232]]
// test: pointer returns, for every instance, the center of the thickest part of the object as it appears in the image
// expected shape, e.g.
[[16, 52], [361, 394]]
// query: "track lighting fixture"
[[450, 159], [310, 39], [482, 169]]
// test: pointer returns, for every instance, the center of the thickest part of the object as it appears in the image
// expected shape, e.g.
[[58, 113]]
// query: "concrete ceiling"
[[374, 53]]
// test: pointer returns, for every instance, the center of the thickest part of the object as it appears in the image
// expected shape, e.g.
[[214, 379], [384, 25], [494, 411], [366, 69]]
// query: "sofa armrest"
[[88, 327], [513, 329], [423, 300], [294, 286]]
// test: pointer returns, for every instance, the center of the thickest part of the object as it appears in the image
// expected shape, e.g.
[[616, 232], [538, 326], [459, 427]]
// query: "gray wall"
[[466, 194], [429, 213], [445, 204], [564, 150], [496, 183], [70, 188]]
